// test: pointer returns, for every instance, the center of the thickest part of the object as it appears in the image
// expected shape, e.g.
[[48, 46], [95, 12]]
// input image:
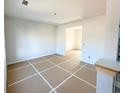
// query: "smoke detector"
[[54, 14], [24, 2]]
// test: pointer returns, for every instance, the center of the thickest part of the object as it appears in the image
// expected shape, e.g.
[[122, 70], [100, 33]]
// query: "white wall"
[[28, 39], [93, 31], [60, 49], [93, 39], [112, 32], [3, 81], [78, 39], [60, 40], [73, 38], [69, 39]]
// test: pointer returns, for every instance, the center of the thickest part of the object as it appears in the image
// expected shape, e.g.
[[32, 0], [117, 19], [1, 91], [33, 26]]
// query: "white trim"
[[9, 63], [88, 62], [54, 56], [19, 61], [26, 65], [19, 68], [60, 57], [37, 62]]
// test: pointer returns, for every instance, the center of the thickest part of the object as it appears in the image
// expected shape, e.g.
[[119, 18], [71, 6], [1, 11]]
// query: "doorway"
[[73, 41]]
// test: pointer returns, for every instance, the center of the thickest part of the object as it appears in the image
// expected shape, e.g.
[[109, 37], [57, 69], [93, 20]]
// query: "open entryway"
[[73, 40]]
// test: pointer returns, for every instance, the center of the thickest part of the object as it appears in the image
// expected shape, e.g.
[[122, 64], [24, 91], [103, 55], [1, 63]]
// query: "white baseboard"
[[18, 61], [87, 61]]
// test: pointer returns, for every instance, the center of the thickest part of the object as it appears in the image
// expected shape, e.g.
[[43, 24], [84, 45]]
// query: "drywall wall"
[[69, 39], [28, 39], [78, 38], [73, 38], [112, 32], [3, 68], [61, 47], [93, 39], [93, 33], [60, 40]]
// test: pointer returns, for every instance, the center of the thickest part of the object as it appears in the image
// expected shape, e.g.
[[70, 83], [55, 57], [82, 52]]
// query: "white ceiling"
[[66, 10]]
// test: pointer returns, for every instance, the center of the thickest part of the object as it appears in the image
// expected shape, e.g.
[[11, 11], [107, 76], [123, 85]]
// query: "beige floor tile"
[[77, 61], [74, 85], [68, 57], [32, 85], [65, 59], [61, 57], [90, 66], [82, 63], [87, 75], [52, 92], [70, 66], [55, 76], [37, 60], [43, 65], [50, 56], [73, 53], [17, 65], [19, 74], [56, 60]]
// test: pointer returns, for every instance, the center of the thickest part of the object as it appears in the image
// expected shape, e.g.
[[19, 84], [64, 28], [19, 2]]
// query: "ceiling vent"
[[24, 2]]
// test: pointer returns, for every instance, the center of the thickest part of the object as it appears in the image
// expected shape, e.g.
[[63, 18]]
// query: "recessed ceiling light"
[[24, 2]]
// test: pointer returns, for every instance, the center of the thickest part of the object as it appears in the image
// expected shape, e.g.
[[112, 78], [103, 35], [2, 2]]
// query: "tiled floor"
[[52, 74]]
